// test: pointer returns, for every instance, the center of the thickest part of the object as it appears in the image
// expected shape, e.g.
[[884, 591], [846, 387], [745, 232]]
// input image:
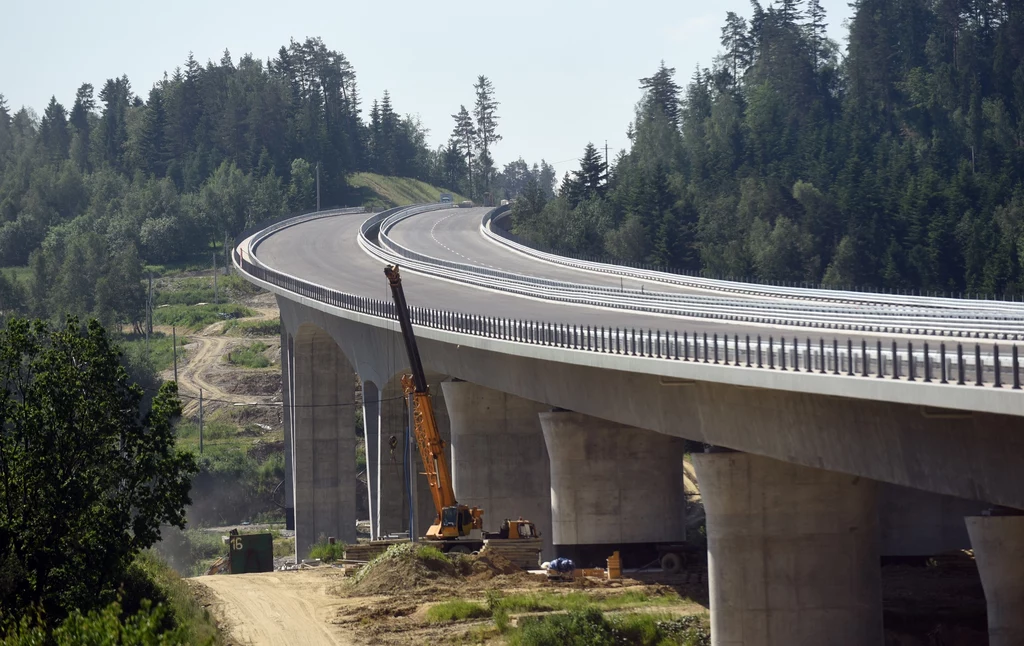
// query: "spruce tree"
[[662, 92]]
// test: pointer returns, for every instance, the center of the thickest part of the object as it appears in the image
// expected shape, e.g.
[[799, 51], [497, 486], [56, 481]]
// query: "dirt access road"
[[205, 359], [278, 608]]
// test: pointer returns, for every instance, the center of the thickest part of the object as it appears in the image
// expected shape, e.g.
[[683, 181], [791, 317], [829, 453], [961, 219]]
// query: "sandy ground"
[[278, 608]]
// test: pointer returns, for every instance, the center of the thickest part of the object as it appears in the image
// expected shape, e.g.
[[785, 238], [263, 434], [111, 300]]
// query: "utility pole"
[[174, 346], [215, 300], [149, 312], [318, 186], [200, 421]]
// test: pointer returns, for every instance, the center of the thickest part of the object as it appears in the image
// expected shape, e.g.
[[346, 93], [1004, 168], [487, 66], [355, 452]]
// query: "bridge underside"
[[865, 472]]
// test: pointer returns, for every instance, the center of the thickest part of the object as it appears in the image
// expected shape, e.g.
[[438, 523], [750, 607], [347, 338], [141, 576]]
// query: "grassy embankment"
[[383, 192]]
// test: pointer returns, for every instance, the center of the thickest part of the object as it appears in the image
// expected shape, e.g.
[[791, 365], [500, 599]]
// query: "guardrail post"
[[759, 365], [634, 341], [821, 357], [771, 353], [910, 361], [977, 364], [705, 347], [736, 348], [864, 359], [849, 358], [716, 347], [879, 368], [782, 354], [995, 363], [650, 350], [942, 362], [895, 362], [1016, 370], [809, 359], [960, 363], [748, 350], [675, 343], [658, 341], [835, 356], [927, 365], [686, 346]]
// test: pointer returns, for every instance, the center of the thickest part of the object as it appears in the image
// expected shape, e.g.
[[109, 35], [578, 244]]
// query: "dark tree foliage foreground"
[[86, 479]]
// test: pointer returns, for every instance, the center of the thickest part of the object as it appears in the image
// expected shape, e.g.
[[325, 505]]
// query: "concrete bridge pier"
[[323, 441], [390, 493], [499, 461], [613, 487], [998, 543], [287, 388], [793, 553]]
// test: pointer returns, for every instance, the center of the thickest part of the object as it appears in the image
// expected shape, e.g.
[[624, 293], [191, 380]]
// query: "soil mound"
[[482, 567], [404, 568]]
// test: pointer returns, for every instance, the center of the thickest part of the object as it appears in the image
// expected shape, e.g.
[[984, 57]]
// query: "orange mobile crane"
[[459, 528]]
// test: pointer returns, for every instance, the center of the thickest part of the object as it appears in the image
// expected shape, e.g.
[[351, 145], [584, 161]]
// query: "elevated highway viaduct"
[[569, 394]]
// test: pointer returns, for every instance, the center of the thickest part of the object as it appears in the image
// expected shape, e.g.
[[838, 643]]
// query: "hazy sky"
[[565, 72]]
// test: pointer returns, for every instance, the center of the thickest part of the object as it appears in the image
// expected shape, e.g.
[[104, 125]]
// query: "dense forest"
[[898, 165], [90, 194]]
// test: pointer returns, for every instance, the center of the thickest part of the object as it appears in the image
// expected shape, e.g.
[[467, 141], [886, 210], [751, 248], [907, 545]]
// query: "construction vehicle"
[[457, 528]]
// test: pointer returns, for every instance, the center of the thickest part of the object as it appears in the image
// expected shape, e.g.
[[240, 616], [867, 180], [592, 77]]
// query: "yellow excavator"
[[458, 528]]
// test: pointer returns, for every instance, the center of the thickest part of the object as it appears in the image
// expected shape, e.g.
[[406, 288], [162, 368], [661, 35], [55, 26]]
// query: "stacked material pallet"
[[522, 552], [366, 551]]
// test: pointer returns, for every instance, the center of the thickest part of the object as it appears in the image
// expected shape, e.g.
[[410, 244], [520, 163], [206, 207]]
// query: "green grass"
[[161, 355], [192, 617], [195, 317], [255, 327], [379, 191], [185, 291], [590, 627], [552, 601], [250, 356], [456, 610], [325, 551]]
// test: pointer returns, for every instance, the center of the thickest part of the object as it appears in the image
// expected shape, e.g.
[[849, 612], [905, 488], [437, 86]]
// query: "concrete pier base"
[[613, 486], [793, 553], [998, 543], [499, 461], [324, 459]]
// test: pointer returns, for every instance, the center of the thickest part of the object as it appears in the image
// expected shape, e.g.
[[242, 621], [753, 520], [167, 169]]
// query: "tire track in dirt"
[[278, 609]]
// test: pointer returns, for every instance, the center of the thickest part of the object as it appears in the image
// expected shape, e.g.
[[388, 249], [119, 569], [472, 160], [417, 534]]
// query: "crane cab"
[[518, 529]]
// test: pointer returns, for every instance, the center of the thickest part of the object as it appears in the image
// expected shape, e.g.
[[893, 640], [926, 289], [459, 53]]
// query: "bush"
[[250, 356], [326, 552], [457, 610], [588, 626]]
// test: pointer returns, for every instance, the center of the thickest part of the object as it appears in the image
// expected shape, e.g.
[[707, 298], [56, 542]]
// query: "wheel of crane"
[[671, 563]]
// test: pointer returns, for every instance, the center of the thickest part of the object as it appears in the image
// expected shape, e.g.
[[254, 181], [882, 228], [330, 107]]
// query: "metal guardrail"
[[496, 234], [844, 316], [928, 365]]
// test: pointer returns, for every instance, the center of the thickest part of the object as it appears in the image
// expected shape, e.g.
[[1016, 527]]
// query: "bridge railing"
[[954, 364], [825, 315], [748, 286]]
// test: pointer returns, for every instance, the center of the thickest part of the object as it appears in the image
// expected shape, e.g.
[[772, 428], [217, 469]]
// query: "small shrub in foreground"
[[326, 552]]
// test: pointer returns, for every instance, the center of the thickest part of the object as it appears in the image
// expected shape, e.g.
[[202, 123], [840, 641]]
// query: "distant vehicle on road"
[[466, 204], [446, 198], [504, 202]]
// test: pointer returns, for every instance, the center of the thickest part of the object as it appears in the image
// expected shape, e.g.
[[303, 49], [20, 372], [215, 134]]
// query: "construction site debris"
[[523, 552]]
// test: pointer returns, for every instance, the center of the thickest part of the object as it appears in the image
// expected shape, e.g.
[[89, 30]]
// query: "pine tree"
[[463, 138], [53, 131], [662, 93], [485, 114], [737, 44], [816, 31]]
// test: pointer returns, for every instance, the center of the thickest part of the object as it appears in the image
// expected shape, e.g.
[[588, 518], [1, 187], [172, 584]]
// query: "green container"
[[251, 553]]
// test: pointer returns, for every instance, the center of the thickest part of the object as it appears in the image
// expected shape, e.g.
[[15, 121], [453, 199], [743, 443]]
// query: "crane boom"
[[428, 439]]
